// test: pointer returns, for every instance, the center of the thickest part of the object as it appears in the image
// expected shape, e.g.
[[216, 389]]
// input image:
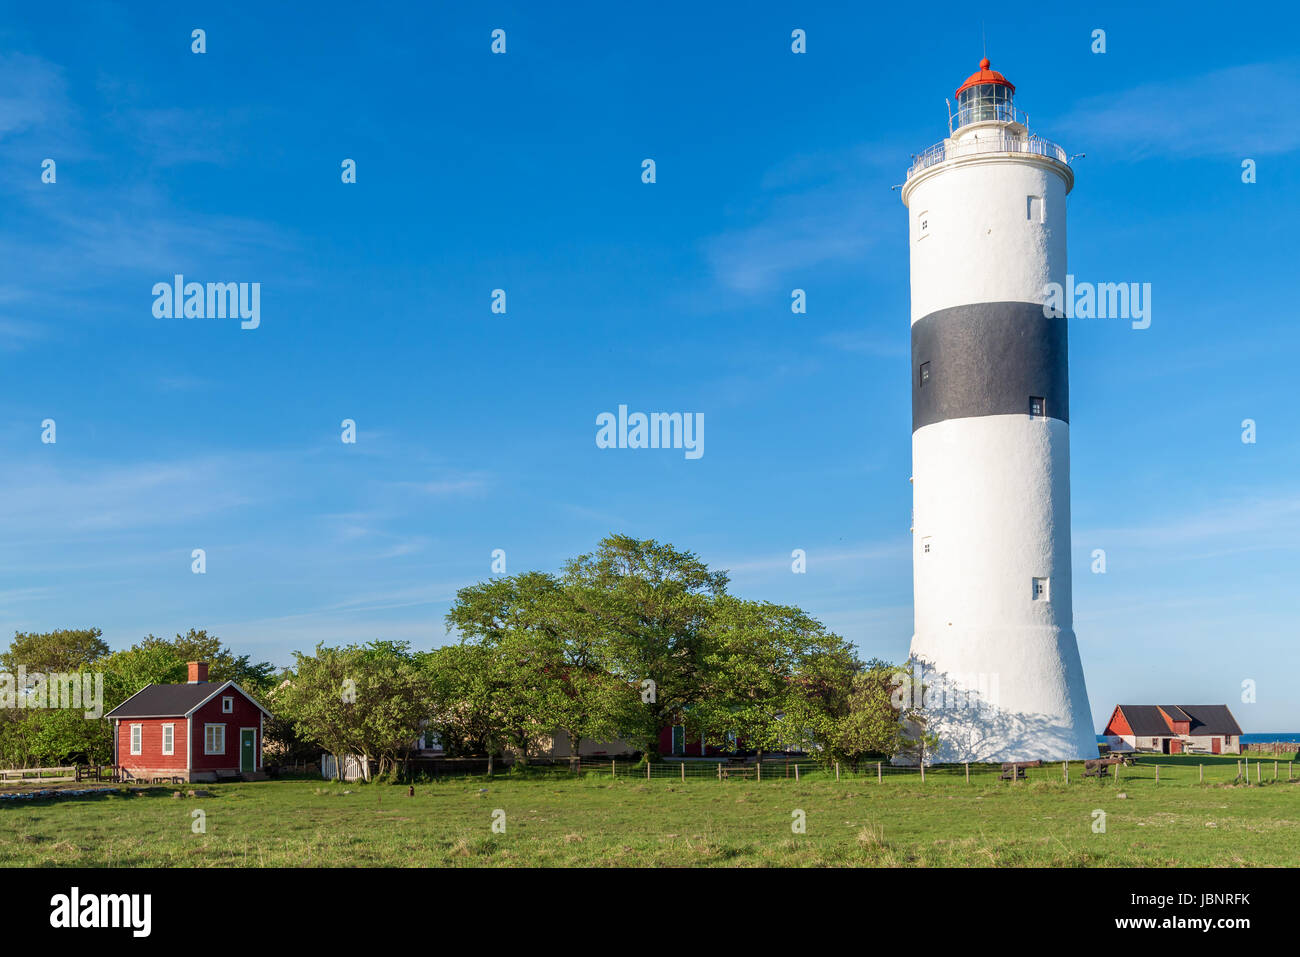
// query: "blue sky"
[[523, 172]]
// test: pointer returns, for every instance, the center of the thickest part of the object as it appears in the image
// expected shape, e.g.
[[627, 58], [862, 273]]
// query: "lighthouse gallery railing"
[[992, 143]]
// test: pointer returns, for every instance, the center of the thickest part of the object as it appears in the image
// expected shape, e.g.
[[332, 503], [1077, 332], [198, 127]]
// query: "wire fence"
[[1154, 770]]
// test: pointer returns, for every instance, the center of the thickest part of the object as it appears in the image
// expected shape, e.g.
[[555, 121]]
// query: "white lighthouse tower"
[[994, 631]]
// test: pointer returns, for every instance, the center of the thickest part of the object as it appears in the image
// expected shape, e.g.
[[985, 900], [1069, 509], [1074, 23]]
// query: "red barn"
[[1173, 728], [197, 731]]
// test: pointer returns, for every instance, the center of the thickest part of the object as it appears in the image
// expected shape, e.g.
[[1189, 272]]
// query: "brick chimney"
[[198, 672]]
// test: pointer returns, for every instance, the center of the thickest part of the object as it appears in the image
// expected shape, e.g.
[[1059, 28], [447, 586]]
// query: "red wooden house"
[[197, 731], [1173, 728]]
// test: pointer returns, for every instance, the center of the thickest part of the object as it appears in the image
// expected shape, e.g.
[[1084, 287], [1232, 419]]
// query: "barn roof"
[[1147, 721], [1211, 719], [174, 701]]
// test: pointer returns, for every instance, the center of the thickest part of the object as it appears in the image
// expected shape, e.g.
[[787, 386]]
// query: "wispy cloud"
[[820, 209], [77, 500], [32, 95], [17, 334], [821, 557], [448, 486], [1239, 111], [1254, 522], [867, 345]]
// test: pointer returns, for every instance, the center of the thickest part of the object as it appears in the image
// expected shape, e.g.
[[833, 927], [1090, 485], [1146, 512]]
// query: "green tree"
[[868, 724], [223, 664], [770, 672], [366, 700], [64, 650], [650, 603], [519, 683]]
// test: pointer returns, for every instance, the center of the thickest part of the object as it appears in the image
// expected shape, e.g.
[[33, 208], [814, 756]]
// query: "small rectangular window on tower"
[[1034, 208], [925, 544], [1037, 407], [922, 224], [1041, 592], [925, 373]]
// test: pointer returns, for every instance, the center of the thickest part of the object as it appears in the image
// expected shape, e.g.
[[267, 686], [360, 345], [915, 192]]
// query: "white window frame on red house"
[[207, 745], [169, 739], [228, 704], [137, 738]]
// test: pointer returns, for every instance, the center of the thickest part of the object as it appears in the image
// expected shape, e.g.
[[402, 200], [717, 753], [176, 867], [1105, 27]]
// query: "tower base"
[[1032, 706]]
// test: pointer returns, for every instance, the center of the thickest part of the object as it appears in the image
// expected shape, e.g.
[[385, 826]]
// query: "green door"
[[247, 750]]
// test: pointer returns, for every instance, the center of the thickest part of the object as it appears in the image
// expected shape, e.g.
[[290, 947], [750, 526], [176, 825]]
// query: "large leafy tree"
[[867, 724], [649, 603], [517, 626], [770, 672], [315, 700], [64, 650], [223, 664], [368, 700]]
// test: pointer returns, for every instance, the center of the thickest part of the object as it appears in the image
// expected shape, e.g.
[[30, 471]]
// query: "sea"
[[1288, 736]]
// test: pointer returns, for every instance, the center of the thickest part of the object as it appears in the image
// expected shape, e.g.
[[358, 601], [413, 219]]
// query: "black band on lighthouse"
[[989, 358]]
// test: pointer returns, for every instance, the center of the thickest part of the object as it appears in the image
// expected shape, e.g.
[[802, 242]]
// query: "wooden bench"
[[736, 766]]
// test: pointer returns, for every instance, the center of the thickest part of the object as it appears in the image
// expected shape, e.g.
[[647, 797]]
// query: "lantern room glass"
[[983, 102]]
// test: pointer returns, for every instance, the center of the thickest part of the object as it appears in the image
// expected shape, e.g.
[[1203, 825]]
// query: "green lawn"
[[558, 820]]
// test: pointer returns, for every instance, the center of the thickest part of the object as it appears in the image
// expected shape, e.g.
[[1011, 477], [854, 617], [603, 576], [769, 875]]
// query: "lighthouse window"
[[925, 545], [1034, 209], [1041, 589], [1037, 407], [925, 372], [922, 224]]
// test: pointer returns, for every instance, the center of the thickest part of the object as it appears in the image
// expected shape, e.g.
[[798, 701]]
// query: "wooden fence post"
[[759, 766], [1157, 774], [967, 763], [1274, 770], [683, 772], [1259, 774], [922, 770], [879, 778], [1200, 774], [1116, 767], [796, 773], [647, 770], [613, 768], [719, 770], [837, 770]]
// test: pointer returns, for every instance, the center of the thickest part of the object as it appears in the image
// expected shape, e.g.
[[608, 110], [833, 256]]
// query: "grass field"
[[557, 819]]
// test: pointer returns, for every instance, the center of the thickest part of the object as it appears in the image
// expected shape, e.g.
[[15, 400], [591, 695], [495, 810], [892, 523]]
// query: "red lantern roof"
[[985, 75]]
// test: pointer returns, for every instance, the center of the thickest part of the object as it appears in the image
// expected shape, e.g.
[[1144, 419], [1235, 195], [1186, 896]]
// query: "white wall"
[[991, 494]]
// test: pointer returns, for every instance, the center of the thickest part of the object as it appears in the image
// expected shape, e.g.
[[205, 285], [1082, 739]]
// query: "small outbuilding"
[[1173, 729], [197, 731]]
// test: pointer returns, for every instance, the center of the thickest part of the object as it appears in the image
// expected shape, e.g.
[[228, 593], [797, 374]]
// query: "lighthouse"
[[994, 642]]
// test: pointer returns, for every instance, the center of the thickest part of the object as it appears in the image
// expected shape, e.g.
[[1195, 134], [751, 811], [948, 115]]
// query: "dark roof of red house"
[[1211, 719], [1147, 721], [174, 701]]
